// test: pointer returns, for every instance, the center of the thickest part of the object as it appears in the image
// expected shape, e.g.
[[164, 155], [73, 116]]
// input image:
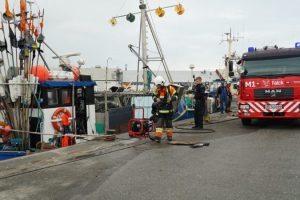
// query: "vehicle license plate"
[[273, 107]]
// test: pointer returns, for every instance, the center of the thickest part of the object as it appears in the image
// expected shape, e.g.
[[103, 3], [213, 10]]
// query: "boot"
[[155, 138]]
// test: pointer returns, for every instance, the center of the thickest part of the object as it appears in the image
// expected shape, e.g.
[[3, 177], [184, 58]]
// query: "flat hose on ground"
[[184, 128]]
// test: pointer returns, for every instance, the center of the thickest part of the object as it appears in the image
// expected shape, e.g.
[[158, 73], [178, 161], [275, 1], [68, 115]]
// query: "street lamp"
[[105, 96]]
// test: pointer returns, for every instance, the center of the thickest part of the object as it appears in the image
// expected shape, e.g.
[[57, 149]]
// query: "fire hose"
[[184, 128]]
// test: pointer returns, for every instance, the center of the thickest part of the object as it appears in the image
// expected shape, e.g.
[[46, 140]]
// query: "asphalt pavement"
[[257, 162]]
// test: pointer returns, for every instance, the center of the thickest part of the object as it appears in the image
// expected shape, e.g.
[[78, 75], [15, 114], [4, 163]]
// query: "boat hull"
[[5, 155]]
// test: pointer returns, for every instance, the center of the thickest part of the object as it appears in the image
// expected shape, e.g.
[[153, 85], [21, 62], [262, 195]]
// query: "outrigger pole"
[[140, 59]]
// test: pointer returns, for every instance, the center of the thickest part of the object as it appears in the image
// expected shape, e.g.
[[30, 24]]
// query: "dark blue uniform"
[[199, 93]]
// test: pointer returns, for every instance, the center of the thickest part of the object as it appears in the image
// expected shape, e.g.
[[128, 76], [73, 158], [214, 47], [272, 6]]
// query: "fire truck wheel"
[[246, 122]]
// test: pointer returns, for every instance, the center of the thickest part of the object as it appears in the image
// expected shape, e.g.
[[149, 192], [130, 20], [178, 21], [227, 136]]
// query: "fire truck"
[[269, 84]]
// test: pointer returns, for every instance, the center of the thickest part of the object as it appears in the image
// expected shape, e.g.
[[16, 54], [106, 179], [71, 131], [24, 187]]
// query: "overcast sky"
[[193, 38]]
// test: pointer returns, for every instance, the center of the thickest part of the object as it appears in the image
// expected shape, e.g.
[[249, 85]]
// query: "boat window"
[[66, 97], [52, 97]]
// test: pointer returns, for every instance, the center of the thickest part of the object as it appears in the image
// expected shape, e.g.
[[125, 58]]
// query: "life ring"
[[57, 115]]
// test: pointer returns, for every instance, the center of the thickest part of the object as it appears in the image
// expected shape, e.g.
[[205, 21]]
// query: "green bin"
[[100, 128]]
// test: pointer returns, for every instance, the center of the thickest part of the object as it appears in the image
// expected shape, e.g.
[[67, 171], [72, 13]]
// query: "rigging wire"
[[123, 5], [155, 30]]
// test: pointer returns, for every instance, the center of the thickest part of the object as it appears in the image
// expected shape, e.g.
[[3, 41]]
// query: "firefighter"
[[200, 101], [164, 96]]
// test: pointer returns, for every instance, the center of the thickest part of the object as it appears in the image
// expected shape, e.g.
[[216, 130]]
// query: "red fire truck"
[[270, 84]]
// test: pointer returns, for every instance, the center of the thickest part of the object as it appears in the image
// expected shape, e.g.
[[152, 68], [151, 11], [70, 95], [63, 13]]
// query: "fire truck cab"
[[269, 84]]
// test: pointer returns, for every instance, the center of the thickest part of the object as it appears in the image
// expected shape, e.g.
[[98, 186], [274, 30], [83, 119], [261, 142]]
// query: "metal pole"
[[229, 40], [138, 65], [106, 120], [144, 44], [73, 110]]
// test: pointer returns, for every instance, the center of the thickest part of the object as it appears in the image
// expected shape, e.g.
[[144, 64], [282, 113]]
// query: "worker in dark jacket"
[[199, 95], [164, 95], [222, 94]]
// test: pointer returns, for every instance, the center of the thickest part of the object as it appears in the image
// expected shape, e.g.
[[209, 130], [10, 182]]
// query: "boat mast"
[[143, 56], [229, 39], [143, 44]]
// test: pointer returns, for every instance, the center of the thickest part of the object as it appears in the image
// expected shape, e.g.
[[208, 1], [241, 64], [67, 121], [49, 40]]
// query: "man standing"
[[66, 140], [164, 96], [229, 94], [199, 95], [65, 123], [222, 94]]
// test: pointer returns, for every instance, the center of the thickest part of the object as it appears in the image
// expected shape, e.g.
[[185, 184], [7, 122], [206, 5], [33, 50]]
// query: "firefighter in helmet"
[[164, 96]]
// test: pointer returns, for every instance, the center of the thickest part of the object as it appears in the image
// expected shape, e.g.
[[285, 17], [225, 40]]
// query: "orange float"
[[4, 132], [41, 72], [76, 72]]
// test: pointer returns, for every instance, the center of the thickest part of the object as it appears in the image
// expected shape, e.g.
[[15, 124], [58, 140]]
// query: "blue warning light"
[[297, 45], [252, 49]]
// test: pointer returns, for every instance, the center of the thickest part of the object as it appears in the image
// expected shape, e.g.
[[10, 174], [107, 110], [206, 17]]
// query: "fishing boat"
[[35, 97], [5, 155]]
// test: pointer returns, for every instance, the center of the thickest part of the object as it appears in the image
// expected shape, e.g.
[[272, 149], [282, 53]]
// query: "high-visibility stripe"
[[286, 107], [164, 111], [260, 106], [159, 130], [293, 107], [254, 107]]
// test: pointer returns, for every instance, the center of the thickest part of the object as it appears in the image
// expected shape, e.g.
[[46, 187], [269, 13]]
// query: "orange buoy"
[[76, 72], [41, 72], [7, 129]]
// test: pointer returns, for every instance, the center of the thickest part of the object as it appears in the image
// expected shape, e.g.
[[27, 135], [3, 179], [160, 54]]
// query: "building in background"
[[184, 78]]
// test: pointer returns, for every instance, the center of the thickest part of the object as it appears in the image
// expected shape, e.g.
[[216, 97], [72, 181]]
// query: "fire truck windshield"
[[272, 67]]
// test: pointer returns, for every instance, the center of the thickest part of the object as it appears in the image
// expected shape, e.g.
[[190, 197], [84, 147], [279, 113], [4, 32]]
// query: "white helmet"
[[159, 80]]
